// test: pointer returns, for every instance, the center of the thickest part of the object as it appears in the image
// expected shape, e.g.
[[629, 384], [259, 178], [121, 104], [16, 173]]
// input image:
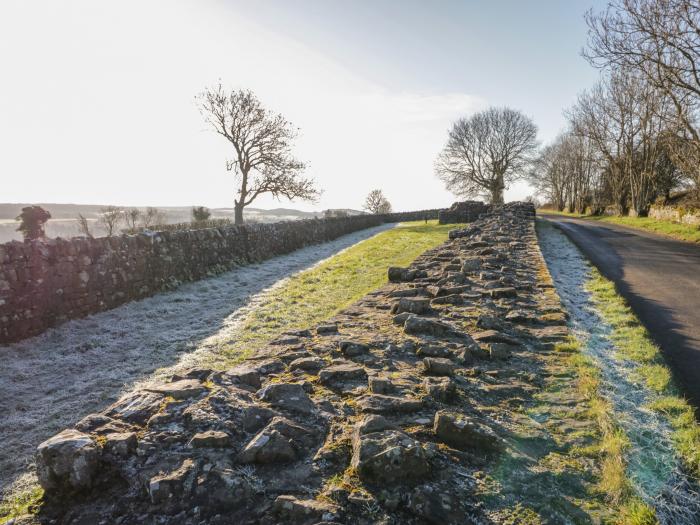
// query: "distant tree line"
[[634, 137]]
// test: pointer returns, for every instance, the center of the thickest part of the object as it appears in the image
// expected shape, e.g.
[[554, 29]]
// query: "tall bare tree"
[[376, 202], [262, 144], [110, 218], [152, 217], [660, 40], [84, 226], [486, 152], [132, 216]]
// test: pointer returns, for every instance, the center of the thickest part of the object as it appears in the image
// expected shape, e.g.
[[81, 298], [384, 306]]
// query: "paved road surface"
[[660, 278]]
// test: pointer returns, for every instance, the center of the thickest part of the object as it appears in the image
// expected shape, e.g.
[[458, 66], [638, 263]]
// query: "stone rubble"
[[384, 414]]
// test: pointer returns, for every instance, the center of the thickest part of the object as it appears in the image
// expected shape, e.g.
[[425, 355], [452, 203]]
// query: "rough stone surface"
[[463, 432], [388, 456], [66, 462], [309, 431], [289, 396]]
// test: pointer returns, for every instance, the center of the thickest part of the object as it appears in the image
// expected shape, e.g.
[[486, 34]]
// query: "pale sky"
[[97, 97]]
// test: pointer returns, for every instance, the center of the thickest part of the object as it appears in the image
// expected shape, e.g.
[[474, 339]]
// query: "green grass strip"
[[20, 505], [611, 444], [314, 295], [633, 342]]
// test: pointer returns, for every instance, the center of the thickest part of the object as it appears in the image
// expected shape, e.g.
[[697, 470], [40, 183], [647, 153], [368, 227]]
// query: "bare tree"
[[84, 226], [132, 217], [660, 40], [262, 143], [152, 217], [548, 175], [376, 202], [486, 152], [110, 218]]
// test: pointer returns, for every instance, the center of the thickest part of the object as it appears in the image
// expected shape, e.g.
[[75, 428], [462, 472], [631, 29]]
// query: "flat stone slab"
[[182, 389], [381, 404], [494, 336], [290, 396], [136, 407], [342, 372]]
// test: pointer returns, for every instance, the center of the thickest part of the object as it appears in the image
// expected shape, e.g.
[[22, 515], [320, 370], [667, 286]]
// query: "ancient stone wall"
[[388, 413], [675, 214], [44, 283], [461, 212]]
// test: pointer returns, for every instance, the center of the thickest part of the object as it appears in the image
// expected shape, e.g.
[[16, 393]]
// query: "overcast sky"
[[97, 97]]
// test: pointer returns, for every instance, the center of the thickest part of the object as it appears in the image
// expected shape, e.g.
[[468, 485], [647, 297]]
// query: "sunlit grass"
[[314, 295], [20, 505], [633, 342]]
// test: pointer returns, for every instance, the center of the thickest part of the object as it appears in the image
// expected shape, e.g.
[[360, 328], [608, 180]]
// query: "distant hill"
[[63, 217]]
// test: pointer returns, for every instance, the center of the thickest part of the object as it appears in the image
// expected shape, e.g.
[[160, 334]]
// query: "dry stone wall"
[[675, 214], [388, 413], [461, 212], [43, 283]]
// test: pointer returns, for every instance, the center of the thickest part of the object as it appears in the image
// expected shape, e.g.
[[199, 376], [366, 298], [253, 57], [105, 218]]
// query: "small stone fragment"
[[464, 433], [420, 325], [269, 446], [289, 396], [382, 404], [307, 364], [388, 456], [182, 389], [414, 306], [171, 487], [120, 443], [210, 439], [438, 366], [397, 274], [298, 511], [352, 348], [499, 351], [66, 462], [498, 293], [327, 329], [244, 375], [379, 385], [493, 336], [442, 389], [342, 372]]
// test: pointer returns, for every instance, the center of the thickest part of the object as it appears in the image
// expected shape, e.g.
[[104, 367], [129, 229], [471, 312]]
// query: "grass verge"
[[682, 232], [20, 505], [611, 444], [320, 292], [632, 341]]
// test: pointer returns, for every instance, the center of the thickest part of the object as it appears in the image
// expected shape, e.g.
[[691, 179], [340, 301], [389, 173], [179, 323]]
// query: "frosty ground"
[[652, 463], [49, 382]]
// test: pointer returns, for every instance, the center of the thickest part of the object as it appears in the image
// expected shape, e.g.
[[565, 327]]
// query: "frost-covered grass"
[[312, 296], [647, 460], [612, 441], [632, 340]]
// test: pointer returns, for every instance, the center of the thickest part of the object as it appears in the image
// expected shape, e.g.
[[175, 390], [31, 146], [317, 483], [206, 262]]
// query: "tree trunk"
[[238, 213], [497, 191]]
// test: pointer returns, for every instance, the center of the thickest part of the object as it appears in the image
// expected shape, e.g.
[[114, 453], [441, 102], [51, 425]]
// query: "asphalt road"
[[660, 278]]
